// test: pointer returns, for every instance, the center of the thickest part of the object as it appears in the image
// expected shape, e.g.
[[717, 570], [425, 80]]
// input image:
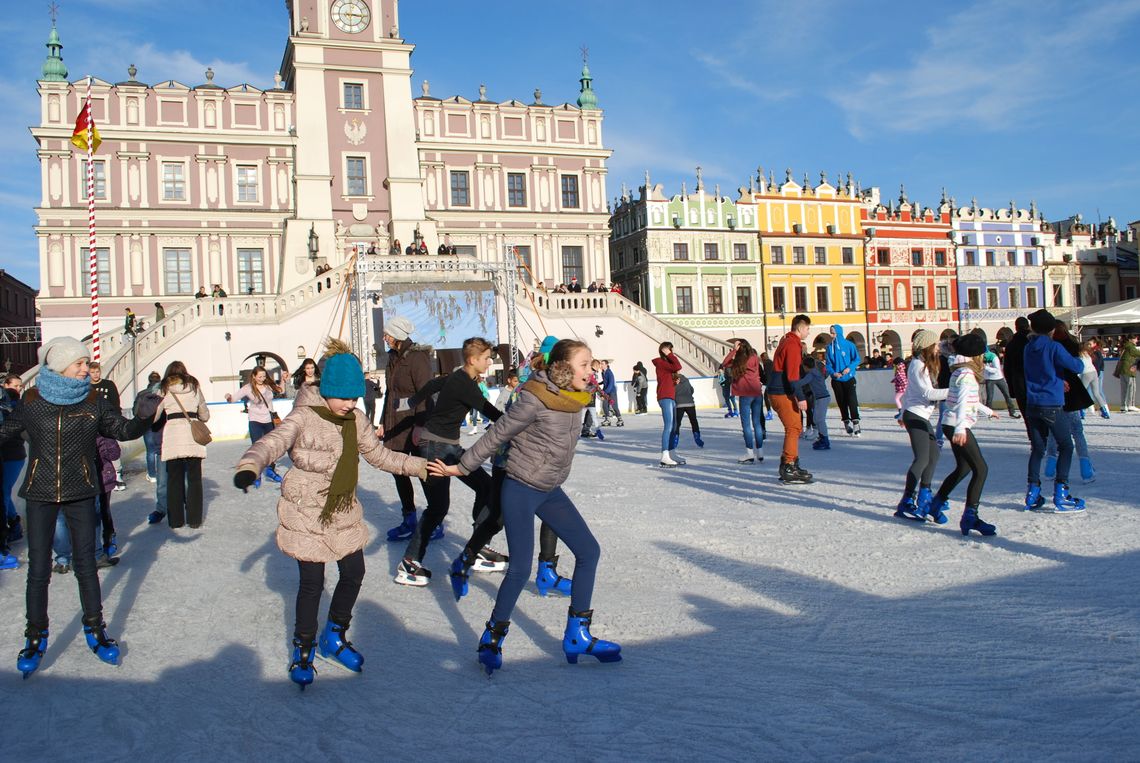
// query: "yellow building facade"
[[812, 255]]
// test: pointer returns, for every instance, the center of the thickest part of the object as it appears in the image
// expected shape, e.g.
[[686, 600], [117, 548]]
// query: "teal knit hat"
[[343, 376]]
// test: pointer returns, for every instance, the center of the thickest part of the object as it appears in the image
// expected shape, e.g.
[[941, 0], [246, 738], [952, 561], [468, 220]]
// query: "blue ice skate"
[[335, 648], [28, 661], [301, 670], [104, 647], [491, 645], [1063, 502], [548, 579], [577, 640], [1033, 498], [971, 521]]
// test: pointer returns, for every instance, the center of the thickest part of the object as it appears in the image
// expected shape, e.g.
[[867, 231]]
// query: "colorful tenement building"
[[911, 278], [1080, 263]]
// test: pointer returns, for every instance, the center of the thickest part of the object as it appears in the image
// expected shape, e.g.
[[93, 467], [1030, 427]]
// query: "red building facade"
[[911, 278]]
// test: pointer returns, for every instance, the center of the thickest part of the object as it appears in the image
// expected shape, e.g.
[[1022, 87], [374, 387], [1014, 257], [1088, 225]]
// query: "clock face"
[[351, 15]]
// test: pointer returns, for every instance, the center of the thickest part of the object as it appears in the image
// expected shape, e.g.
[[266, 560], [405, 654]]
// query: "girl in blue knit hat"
[[320, 518]]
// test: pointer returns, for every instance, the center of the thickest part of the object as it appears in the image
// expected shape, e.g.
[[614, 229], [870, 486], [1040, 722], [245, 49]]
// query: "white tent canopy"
[[1112, 314]]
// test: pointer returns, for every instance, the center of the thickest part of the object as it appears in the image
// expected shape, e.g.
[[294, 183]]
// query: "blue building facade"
[[1000, 266]]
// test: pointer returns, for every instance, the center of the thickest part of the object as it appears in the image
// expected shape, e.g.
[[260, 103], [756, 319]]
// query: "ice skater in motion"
[[962, 409], [919, 405], [543, 428], [320, 518]]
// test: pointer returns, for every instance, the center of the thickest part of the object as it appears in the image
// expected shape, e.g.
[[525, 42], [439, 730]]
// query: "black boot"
[[803, 473]]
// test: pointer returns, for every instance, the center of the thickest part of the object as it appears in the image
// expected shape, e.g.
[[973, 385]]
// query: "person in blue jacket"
[[1045, 361], [842, 359], [610, 405]]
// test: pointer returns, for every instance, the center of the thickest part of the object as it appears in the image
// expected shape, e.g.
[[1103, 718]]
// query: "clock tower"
[[357, 170]]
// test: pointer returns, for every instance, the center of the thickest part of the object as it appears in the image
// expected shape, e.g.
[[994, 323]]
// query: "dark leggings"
[[438, 492], [968, 460], [691, 411], [489, 522], [184, 492], [926, 451], [312, 584], [521, 503], [80, 518], [404, 485]]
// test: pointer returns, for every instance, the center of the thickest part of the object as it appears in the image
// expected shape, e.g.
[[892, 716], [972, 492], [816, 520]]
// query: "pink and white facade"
[[253, 190]]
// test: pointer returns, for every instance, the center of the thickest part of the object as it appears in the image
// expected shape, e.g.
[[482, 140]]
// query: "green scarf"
[[342, 488]]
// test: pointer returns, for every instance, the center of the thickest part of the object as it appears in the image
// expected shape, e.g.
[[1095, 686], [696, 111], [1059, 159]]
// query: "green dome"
[[54, 70], [586, 97]]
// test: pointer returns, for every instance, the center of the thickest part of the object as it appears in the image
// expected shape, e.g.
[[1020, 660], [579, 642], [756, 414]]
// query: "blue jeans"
[[61, 544], [819, 415], [521, 504], [1078, 428], [257, 430], [752, 420], [160, 488], [668, 413], [153, 442], [729, 400], [1044, 421], [11, 475]]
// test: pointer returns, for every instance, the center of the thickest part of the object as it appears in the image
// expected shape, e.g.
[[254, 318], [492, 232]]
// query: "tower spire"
[[586, 97], [54, 70]]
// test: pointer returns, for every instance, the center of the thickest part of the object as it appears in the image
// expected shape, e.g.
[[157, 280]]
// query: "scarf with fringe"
[[342, 487]]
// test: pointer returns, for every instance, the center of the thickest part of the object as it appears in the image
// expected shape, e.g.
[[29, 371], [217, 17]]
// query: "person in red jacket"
[[666, 365], [786, 390]]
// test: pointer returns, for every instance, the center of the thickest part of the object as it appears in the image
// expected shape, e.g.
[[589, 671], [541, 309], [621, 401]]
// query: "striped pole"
[[92, 257]]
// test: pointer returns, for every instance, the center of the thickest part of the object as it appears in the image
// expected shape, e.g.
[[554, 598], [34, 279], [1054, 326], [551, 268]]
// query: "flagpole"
[[93, 259]]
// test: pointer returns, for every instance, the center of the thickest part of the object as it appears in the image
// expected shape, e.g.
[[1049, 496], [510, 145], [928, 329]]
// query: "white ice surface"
[[758, 622]]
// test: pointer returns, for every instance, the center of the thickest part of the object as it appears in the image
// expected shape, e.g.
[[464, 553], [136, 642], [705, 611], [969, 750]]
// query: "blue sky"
[[996, 100]]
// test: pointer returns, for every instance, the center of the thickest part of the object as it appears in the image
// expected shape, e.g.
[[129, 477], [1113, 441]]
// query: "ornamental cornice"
[[132, 154], [204, 158]]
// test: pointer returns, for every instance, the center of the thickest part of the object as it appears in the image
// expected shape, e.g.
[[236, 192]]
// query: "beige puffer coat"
[[177, 442], [315, 446]]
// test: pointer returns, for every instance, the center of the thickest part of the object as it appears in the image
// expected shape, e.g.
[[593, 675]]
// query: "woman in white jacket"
[[1089, 378], [919, 405]]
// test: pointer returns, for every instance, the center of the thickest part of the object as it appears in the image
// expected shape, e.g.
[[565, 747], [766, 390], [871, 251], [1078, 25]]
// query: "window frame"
[[820, 253], [100, 182], [744, 293], [362, 105], [459, 193], [995, 303], [848, 255], [885, 297], [941, 297], [239, 187], [822, 298], [182, 182], [681, 247], [683, 296], [711, 247], [570, 194], [802, 305], [917, 297], [103, 271], [516, 197], [573, 268], [739, 252], [916, 258], [178, 252], [246, 274], [777, 254], [799, 255], [349, 179], [779, 299], [850, 305], [714, 300]]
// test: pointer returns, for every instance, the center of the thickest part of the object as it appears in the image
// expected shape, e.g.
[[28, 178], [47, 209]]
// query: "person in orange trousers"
[[785, 388]]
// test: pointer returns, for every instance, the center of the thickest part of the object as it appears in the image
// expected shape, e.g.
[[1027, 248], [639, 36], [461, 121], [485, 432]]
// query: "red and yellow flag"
[[79, 137]]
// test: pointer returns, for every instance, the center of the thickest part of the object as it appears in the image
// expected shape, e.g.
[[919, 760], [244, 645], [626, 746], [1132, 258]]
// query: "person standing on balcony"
[[409, 369], [575, 287], [842, 360], [130, 324], [159, 313], [666, 364], [182, 401]]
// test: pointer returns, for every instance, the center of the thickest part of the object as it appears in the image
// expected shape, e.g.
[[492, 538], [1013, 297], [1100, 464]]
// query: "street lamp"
[[314, 242]]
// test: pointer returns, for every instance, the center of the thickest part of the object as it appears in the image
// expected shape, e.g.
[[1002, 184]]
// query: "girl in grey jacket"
[[543, 427]]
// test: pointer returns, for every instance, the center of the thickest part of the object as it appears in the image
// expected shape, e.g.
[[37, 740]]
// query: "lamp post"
[[314, 242]]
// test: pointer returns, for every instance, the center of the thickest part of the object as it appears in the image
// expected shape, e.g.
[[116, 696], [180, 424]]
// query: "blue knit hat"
[[546, 346], [342, 376]]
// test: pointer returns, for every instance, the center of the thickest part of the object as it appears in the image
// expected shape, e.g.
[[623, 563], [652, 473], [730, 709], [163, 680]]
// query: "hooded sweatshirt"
[[1045, 360], [842, 355]]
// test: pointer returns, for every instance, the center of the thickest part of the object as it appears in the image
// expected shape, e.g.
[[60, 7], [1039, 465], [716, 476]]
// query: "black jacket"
[[1014, 366], [63, 459], [12, 450], [107, 390]]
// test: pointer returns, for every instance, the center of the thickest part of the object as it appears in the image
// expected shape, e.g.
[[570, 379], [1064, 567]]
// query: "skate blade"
[[489, 567], [337, 663]]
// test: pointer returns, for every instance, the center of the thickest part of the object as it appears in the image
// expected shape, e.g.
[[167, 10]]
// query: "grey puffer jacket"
[[543, 426]]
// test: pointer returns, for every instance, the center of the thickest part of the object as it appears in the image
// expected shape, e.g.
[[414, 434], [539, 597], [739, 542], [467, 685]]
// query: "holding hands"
[[437, 468]]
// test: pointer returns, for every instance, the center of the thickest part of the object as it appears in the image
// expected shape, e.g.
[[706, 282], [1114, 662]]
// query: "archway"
[[274, 364], [860, 343], [891, 342]]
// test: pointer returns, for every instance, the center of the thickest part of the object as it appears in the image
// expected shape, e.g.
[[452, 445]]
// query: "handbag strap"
[[184, 413]]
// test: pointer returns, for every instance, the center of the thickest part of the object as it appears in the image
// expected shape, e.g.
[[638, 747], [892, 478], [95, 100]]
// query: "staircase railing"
[[702, 352]]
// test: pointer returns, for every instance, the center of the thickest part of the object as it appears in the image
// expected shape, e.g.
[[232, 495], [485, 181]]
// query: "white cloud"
[[110, 62], [992, 66]]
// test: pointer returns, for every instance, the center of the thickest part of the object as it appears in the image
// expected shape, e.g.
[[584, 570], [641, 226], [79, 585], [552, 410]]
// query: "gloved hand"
[[147, 406], [244, 479]]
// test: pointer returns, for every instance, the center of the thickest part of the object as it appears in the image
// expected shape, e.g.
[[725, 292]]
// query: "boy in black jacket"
[[439, 439]]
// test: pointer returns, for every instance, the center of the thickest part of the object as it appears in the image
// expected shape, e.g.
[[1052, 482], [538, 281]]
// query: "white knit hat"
[[61, 352], [399, 328]]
